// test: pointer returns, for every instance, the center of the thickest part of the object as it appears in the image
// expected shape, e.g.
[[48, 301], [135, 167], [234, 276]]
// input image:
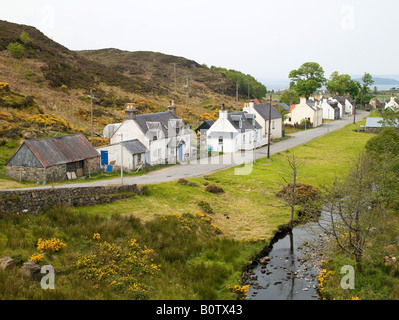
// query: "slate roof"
[[247, 123], [205, 125], [134, 146], [54, 151], [150, 121], [333, 104], [263, 111]]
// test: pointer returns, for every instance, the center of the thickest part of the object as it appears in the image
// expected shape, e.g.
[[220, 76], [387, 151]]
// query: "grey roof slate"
[[134, 146], [263, 110], [247, 124], [161, 117]]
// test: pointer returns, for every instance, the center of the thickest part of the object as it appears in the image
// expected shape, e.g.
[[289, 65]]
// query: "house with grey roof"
[[235, 131], [164, 135], [307, 110], [331, 110], [53, 158], [262, 112], [392, 104], [131, 155]]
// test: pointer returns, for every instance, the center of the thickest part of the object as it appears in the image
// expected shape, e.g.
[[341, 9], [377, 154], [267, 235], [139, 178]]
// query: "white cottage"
[[132, 155], [262, 112], [234, 131], [330, 108], [163, 134], [308, 110], [392, 104]]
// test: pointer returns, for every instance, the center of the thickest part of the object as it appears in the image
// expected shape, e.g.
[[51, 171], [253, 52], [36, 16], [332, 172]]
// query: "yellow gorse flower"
[[50, 245]]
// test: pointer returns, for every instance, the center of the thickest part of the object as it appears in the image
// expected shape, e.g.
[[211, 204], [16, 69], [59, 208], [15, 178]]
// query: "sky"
[[263, 38]]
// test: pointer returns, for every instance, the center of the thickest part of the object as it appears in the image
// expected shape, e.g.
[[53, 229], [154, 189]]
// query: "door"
[[104, 158], [181, 152]]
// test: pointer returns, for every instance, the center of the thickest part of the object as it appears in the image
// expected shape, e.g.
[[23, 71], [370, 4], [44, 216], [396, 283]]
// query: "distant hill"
[[51, 79], [381, 81]]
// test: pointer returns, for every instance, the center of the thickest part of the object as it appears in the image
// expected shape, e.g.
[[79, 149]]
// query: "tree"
[[16, 50], [25, 38], [350, 209], [289, 96], [342, 84], [307, 79], [365, 95]]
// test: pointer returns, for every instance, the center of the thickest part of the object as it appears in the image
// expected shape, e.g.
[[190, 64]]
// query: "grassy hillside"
[[51, 79]]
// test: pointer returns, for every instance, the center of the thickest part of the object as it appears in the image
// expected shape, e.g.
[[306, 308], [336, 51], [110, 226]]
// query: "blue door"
[[104, 158], [181, 152]]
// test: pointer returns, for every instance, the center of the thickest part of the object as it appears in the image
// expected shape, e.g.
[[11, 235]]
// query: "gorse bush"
[[16, 50], [124, 267]]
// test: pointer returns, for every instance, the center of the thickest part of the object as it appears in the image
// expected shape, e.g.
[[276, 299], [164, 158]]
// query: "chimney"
[[251, 104], [130, 112], [171, 107], [303, 99], [311, 97], [393, 99], [223, 114]]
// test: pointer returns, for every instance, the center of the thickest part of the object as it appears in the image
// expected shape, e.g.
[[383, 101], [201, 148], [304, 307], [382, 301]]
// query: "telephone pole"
[[187, 86], [268, 134], [91, 112], [174, 69]]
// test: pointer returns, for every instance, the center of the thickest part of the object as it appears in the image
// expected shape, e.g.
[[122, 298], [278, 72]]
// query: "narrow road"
[[205, 166]]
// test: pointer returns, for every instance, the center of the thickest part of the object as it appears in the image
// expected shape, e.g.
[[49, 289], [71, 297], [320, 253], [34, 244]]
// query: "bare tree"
[[348, 206]]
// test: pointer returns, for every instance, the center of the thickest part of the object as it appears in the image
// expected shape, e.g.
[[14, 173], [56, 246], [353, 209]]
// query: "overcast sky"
[[264, 38]]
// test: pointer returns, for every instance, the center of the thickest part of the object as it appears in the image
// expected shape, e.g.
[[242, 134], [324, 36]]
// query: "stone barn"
[[54, 158]]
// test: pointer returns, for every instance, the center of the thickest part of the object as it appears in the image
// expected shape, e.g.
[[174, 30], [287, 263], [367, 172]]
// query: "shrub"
[[123, 267], [4, 86], [205, 206], [16, 50], [50, 245], [25, 38], [212, 188]]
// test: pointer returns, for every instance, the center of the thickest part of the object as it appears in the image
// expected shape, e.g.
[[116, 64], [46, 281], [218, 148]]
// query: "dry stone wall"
[[36, 200]]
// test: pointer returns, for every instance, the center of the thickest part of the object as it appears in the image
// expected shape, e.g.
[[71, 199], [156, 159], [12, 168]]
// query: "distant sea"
[[281, 86]]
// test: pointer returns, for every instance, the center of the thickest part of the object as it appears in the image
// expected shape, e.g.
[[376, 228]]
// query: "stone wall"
[[36, 200]]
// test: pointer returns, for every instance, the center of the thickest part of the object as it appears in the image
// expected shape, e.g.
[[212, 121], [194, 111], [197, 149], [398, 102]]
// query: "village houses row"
[[162, 137]]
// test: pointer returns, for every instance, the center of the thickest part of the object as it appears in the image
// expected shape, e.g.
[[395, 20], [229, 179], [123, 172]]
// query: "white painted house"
[[163, 134], [262, 112], [235, 131], [392, 104], [132, 155], [330, 108], [308, 110]]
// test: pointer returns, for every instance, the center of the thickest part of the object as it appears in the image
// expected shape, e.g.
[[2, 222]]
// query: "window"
[[273, 125], [220, 140], [289, 119], [243, 138]]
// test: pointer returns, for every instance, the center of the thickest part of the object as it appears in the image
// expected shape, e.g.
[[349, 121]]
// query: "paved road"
[[208, 165]]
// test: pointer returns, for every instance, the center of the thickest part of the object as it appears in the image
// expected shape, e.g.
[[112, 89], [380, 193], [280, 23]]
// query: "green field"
[[195, 261]]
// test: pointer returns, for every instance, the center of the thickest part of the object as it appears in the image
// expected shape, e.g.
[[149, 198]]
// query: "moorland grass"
[[196, 262]]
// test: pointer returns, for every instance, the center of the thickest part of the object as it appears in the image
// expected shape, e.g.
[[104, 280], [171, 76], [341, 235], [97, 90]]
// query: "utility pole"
[[91, 111], [174, 68], [187, 86], [237, 95], [248, 91], [268, 135]]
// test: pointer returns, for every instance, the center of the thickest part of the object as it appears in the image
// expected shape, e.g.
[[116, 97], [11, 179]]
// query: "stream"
[[289, 270]]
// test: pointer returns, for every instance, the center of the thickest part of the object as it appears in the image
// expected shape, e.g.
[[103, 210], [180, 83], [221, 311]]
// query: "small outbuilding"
[[53, 158], [373, 124], [204, 126], [133, 152]]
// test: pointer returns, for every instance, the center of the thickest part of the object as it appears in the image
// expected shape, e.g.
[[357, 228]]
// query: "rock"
[[7, 263], [305, 289], [264, 260], [277, 282], [31, 270]]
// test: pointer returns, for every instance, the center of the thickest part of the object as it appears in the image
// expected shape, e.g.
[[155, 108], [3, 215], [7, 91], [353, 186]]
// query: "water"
[[291, 273]]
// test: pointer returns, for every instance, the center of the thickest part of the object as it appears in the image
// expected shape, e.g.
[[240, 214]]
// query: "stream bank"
[[288, 268]]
